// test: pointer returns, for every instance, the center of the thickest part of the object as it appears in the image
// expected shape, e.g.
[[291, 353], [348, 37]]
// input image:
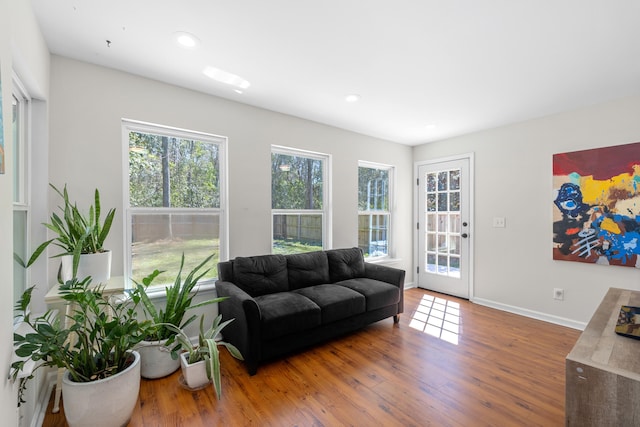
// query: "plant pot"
[[194, 374], [156, 361], [97, 265], [103, 403]]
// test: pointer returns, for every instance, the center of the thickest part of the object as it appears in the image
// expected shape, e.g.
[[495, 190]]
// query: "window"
[[20, 125], [176, 200], [374, 208], [299, 200]]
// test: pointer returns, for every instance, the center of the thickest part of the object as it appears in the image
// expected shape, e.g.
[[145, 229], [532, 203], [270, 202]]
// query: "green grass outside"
[[286, 247], [166, 255]]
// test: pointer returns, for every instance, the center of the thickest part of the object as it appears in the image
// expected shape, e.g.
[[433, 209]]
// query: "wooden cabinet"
[[603, 369]]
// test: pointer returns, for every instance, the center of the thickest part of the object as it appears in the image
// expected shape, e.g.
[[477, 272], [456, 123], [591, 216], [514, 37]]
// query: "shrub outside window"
[[299, 200], [176, 200], [374, 208]]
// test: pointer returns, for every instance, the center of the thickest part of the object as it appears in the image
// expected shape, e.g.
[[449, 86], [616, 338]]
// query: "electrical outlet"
[[558, 294], [499, 222]]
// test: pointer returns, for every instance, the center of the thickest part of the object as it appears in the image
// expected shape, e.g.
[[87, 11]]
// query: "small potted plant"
[[81, 238], [94, 344], [154, 350], [200, 362]]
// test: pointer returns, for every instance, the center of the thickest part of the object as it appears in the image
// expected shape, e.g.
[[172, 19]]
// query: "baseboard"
[[562, 321], [40, 409]]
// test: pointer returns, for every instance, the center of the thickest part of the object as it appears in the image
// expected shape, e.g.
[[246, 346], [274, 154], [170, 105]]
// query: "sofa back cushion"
[[345, 264], [308, 269], [261, 275]]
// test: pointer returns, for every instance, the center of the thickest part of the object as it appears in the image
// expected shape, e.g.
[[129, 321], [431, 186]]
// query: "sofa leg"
[[252, 368], [396, 318]]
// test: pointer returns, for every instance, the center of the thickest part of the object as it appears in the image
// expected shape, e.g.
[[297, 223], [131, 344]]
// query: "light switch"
[[499, 222]]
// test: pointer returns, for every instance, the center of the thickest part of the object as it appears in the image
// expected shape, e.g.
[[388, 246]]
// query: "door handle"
[[464, 235]]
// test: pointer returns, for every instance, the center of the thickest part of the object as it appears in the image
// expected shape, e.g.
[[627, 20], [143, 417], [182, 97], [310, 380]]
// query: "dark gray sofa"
[[283, 303]]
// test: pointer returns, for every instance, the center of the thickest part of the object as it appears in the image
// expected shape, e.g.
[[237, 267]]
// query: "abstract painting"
[[596, 206]]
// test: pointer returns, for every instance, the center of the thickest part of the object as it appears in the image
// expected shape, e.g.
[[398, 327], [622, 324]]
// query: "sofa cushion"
[[260, 275], [335, 302], [284, 313], [308, 269], [378, 294], [345, 264]]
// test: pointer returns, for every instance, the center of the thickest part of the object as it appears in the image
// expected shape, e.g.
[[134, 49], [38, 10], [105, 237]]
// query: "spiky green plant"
[[76, 232], [206, 349], [179, 297]]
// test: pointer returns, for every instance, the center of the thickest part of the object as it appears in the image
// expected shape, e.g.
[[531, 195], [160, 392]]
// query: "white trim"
[[23, 152], [391, 212], [158, 129], [129, 125], [562, 321], [281, 149], [374, 165], [40, 409], [24, 147], [410, 285], [463, 156], [327, 206]]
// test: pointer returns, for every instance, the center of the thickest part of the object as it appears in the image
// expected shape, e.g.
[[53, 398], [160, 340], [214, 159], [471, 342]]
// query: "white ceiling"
[[425, 69]]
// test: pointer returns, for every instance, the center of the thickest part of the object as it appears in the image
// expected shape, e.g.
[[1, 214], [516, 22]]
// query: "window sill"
[[160, 293], [383, 260]]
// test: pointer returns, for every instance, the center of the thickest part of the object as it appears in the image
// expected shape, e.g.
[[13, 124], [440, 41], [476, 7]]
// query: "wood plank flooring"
[[466, 365]]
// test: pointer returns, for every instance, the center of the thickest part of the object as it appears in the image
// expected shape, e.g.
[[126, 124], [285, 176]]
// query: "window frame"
[[326, 211], [128, 126], [390, 213], [21, 167]]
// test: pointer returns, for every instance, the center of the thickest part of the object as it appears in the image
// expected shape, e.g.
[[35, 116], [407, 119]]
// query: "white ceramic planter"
[[195, 374], [104, 403], [97, 265], [156, 361]]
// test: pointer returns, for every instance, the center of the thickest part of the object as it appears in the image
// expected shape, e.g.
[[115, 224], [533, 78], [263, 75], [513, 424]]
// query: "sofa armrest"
[[244, 331], [393, 276]]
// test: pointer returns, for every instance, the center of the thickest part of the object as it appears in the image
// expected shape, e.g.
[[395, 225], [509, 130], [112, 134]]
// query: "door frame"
[[416, 213]]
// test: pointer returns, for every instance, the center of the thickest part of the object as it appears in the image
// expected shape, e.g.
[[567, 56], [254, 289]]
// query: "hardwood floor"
[[485, 368]]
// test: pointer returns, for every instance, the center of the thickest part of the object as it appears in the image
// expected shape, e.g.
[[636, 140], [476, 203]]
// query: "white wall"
[[23, 52], [7, 393], [514, 269], [88, 103]]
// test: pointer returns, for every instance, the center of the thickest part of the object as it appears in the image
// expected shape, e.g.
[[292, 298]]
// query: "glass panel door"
[[444, 230]]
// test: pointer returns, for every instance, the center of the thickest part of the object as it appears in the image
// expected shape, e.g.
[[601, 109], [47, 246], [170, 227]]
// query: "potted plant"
[[200, 362], [154, 350], [95, 344], [81, 238]]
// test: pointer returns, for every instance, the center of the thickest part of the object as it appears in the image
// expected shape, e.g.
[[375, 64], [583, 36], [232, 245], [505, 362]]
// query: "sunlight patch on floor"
[[438, 317]]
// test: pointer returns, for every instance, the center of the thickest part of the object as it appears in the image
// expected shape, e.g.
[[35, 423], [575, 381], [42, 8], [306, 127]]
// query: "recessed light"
[[186, 40], [352, 98], [226, 77], [430, 126]]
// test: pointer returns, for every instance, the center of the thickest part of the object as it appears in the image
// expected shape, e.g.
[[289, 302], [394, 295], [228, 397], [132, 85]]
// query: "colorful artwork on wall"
[[596, 206]]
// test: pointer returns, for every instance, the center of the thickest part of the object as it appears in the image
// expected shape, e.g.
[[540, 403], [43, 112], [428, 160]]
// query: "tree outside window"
[[297, 200], [175, 200], [374, 209]]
